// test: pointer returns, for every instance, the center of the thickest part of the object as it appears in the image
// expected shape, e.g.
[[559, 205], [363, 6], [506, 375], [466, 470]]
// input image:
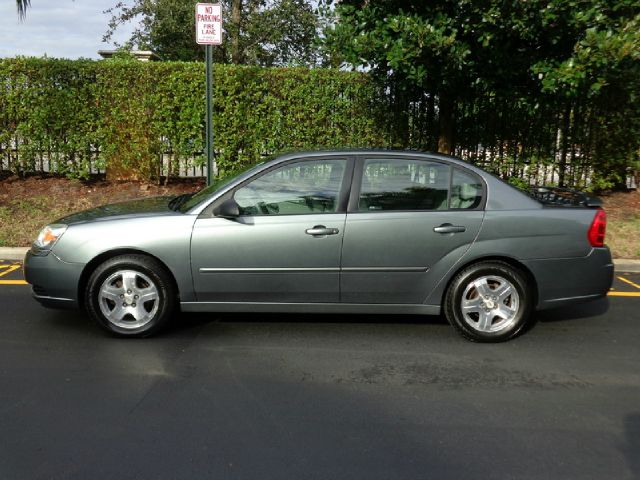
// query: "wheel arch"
[[493, 258], [104, 256]]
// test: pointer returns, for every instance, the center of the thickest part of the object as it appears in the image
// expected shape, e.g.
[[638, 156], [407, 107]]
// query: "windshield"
[[221, 182]]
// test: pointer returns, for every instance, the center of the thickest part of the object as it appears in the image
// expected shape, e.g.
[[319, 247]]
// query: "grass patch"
[[623, 236], [22, 219]]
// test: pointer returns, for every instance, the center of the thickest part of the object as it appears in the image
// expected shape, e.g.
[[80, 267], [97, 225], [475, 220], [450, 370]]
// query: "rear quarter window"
[[466, 191]]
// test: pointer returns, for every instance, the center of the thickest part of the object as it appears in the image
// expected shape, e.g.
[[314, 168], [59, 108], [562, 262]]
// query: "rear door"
[[409, 220]]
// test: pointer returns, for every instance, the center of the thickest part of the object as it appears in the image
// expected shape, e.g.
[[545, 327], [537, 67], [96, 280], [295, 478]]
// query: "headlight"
[[49, 235]]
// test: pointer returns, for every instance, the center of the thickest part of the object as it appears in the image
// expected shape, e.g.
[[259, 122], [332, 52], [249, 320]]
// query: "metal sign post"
[[209, 123], [209, 33]]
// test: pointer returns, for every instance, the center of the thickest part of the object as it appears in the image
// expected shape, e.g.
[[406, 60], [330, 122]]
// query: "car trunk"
[[564, 197]]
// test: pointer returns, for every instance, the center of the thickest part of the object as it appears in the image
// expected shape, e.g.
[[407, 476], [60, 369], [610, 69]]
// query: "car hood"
[[133, 208]]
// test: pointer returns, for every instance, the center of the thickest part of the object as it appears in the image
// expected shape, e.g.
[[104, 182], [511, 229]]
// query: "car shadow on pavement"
[[574, 312], [184, 323], [69, 321], [320, 318], [307, 321], [78, 322]]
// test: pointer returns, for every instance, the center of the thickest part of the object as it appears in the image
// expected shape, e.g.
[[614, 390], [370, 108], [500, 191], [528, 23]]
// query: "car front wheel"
[[130, 295], [489, 302]]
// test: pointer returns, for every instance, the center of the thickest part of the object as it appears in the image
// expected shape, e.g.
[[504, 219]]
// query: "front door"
[[284, 247]]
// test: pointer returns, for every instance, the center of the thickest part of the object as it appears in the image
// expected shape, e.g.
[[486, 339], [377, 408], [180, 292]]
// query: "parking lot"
[[309, 396]]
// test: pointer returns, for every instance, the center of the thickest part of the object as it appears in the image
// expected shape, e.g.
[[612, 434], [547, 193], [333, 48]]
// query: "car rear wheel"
[[130, 296], [489, 302]]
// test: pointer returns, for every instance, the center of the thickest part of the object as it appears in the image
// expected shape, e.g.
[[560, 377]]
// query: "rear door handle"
[[448, 228], [321, 231]]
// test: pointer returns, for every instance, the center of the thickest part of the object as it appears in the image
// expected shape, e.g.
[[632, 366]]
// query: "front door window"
[[300, 188]]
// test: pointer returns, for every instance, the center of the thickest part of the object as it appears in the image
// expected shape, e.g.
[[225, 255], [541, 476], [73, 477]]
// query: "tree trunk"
[[236, 20], [562, 167], [446, 122], [430, 122]]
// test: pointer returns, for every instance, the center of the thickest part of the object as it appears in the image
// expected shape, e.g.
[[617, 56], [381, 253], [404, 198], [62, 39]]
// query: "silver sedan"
[[332, 232]]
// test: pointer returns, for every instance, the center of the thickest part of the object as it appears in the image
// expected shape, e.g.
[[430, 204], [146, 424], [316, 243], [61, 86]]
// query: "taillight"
[[597, 229]]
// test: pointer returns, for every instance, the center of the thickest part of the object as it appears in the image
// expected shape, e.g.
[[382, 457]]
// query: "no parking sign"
[[208, 23], [209, 33]]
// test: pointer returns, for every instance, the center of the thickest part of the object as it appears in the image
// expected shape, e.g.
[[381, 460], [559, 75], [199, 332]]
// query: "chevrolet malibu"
[[373, 232]]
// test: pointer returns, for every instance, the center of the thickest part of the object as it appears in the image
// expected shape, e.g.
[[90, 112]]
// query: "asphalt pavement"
[[315, 397]]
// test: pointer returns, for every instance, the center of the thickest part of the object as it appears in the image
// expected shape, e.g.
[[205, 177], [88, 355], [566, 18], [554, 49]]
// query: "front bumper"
[[568, 281], [54, 283]]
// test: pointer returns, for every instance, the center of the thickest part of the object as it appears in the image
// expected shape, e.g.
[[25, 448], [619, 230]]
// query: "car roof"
[[310, 154], [373, 151]]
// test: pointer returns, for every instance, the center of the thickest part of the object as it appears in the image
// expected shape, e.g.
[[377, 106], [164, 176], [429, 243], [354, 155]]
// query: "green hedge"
[[121, 115]]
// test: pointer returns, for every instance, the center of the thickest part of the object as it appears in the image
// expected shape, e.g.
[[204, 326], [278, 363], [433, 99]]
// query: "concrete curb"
[[13, 253], [17, 253], [626, 265]]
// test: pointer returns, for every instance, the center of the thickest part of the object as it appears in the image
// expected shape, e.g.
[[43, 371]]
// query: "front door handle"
[[321, 231], [448, 228]]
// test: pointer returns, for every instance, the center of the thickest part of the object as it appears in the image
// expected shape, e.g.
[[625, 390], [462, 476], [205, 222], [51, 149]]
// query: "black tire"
[[127, 279], [497, 298]]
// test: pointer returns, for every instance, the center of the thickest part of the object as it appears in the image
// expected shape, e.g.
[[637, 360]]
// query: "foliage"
[[502, 81], [46, 110], [263, 32], [84, 114], [22, 7], [520, 183]]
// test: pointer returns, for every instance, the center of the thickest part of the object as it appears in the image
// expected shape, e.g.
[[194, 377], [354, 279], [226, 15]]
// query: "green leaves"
[[264, 32], [536, 87], [124, 115]]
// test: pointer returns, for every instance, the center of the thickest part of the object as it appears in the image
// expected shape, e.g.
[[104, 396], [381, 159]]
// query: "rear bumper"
[[572, 280], [54, 283]]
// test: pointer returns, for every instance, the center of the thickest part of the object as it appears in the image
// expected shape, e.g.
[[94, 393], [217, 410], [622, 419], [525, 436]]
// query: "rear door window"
[[403, 184]]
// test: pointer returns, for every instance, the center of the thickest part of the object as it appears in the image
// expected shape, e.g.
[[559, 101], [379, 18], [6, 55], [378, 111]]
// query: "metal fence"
[[532, 173]]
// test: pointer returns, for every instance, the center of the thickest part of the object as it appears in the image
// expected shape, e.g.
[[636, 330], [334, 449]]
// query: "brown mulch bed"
[[622, 202], [95, 191], [623, 223], [27, 204]]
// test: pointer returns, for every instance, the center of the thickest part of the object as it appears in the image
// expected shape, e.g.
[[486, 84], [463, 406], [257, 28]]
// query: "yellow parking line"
[[17, 282], [9, 269], [629, 282]]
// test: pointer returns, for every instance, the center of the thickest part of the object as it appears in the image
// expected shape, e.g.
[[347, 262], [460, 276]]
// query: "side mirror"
[[227, 209]]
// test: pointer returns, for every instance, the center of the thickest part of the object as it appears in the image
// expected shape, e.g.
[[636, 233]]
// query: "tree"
[[457, 48], [262, 32], [569, 69], [22, 7]]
